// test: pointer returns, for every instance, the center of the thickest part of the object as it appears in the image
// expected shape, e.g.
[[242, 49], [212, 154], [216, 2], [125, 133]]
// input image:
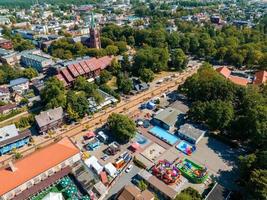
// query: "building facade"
[[9, 57], [11, 138], [19, 85], [6, 44]]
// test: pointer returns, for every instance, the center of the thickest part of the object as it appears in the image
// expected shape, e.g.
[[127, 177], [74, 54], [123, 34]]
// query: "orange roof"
[[35, 164], [238, 80], [224, 71], [260, 77], [104, 178]]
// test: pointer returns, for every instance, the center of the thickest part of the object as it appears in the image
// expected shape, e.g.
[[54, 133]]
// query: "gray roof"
[[18, 81], [8, 132], [191, 131], [218, 192], [49, 116], [168, 116]]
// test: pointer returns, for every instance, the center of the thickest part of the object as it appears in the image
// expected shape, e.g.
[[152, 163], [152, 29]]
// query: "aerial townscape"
[[133, 100]]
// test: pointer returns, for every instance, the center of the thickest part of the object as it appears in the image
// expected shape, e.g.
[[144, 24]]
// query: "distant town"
[[133, 100]]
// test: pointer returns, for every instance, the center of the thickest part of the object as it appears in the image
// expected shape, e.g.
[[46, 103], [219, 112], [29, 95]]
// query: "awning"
[[135, 146]]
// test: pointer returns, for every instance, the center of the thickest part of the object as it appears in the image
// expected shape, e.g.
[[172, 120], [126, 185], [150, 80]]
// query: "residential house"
[[9, 57], [36, 59], [131, 192], [5, 44], [167, 118], [4, 94], [139, 86], [260, 77], [49, 120], [218, 192], [11, 138], [19, 85], [4, 20], [88, 67], [7, 108], [37, 171]]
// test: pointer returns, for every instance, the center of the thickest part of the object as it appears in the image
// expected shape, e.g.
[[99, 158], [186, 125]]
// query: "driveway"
[[125, 179]]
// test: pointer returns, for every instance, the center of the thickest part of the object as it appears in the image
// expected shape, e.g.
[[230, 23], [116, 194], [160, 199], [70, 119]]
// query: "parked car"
[[128, 168]]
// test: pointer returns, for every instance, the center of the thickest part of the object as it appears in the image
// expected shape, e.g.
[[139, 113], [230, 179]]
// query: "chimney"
[[12, 166]]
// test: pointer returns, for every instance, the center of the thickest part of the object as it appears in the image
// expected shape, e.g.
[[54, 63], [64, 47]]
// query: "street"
[[125, 179]]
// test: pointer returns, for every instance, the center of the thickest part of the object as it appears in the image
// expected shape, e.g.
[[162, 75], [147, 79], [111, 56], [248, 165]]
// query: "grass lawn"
[[112, 83]]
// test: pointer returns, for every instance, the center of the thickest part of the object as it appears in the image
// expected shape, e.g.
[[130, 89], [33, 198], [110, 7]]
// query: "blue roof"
[[18, 81]]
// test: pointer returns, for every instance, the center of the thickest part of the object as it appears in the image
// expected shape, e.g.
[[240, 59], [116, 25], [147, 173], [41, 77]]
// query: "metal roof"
[[168, 116]]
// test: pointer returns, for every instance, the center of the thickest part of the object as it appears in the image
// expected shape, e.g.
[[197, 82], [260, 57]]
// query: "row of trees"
[[236, 113], [8, 73]]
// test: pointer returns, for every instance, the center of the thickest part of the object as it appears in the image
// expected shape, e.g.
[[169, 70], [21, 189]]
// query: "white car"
[[128, 168]]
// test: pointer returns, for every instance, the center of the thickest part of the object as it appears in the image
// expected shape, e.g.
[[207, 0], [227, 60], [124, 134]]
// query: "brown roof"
[[84, 66], [67, 75], [130, 192], [49, 116], [43, 184], [7, 107], [36, 163], [79, 68], [224, 71], [238, 80], [260, 77], [61, 78], [21, 135], [73, 71]]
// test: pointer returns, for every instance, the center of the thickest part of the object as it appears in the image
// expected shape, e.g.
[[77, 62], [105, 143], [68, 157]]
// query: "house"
[[9, 57], [4, 20], [7, 108], [19, 85], [4, 94], [49, 120], [260, 78], [107, 100], [17, 97], [190, 133], [139, 86], [167, 118], [36, 59], [130, 192], [110, 169], [88, 67], [218, 192], [11, 138], [92, 163], [5, 44], [99, 191], [35, 172]]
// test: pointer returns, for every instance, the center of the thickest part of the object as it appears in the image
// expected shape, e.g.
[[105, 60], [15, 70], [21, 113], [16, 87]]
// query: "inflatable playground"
[[186, 148], [167, 173], [192, 171]]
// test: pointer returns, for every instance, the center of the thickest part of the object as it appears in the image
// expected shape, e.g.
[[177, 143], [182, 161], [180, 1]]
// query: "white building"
[[19, 85]]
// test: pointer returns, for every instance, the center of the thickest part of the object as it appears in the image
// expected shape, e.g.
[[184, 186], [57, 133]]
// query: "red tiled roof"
[[89, 63], [79, 68], [104, 178], [67, 75], [260, 77], [84, 66], [73, 70], [224, 71], [238, 80], [61, 78], [36, 163]]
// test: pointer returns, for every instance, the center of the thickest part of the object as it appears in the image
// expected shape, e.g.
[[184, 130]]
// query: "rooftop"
[[260, 77], [8, 132], [36, 55], [218, 192], [18, 81], [49, 116], [35, 164], [191, 131], [168, 116], [130, 192]]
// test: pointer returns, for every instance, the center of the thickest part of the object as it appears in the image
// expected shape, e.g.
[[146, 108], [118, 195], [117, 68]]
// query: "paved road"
[[125, 179], [100, 118]]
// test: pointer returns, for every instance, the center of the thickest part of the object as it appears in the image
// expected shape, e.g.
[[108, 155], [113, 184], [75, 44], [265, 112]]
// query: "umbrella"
[[86, 198], [71, 191], [65, 182]]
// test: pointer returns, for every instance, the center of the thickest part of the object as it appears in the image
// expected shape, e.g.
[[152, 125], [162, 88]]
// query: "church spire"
[[92, 23]]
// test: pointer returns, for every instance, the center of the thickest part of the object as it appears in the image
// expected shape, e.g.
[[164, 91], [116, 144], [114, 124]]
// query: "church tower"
[[94, 34]]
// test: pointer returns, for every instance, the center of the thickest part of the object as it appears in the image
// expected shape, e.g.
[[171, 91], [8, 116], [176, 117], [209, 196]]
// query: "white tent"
[[93, 163], [53, 196], [110, 169]]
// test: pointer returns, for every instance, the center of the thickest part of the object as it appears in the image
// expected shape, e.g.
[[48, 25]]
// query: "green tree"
[[142, 185], [78, 103], [258, 184], [122, 127], [105, 76], [124, 83], [122, 46], [30, 72], [179, 59], [53, 94], [112, 50], [146, 75]]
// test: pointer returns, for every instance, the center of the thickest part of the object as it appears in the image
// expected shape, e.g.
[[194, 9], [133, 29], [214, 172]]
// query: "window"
[[63, 164], [18, 190], [50, 172], [29, 184], [43, 176], [36, 180]]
